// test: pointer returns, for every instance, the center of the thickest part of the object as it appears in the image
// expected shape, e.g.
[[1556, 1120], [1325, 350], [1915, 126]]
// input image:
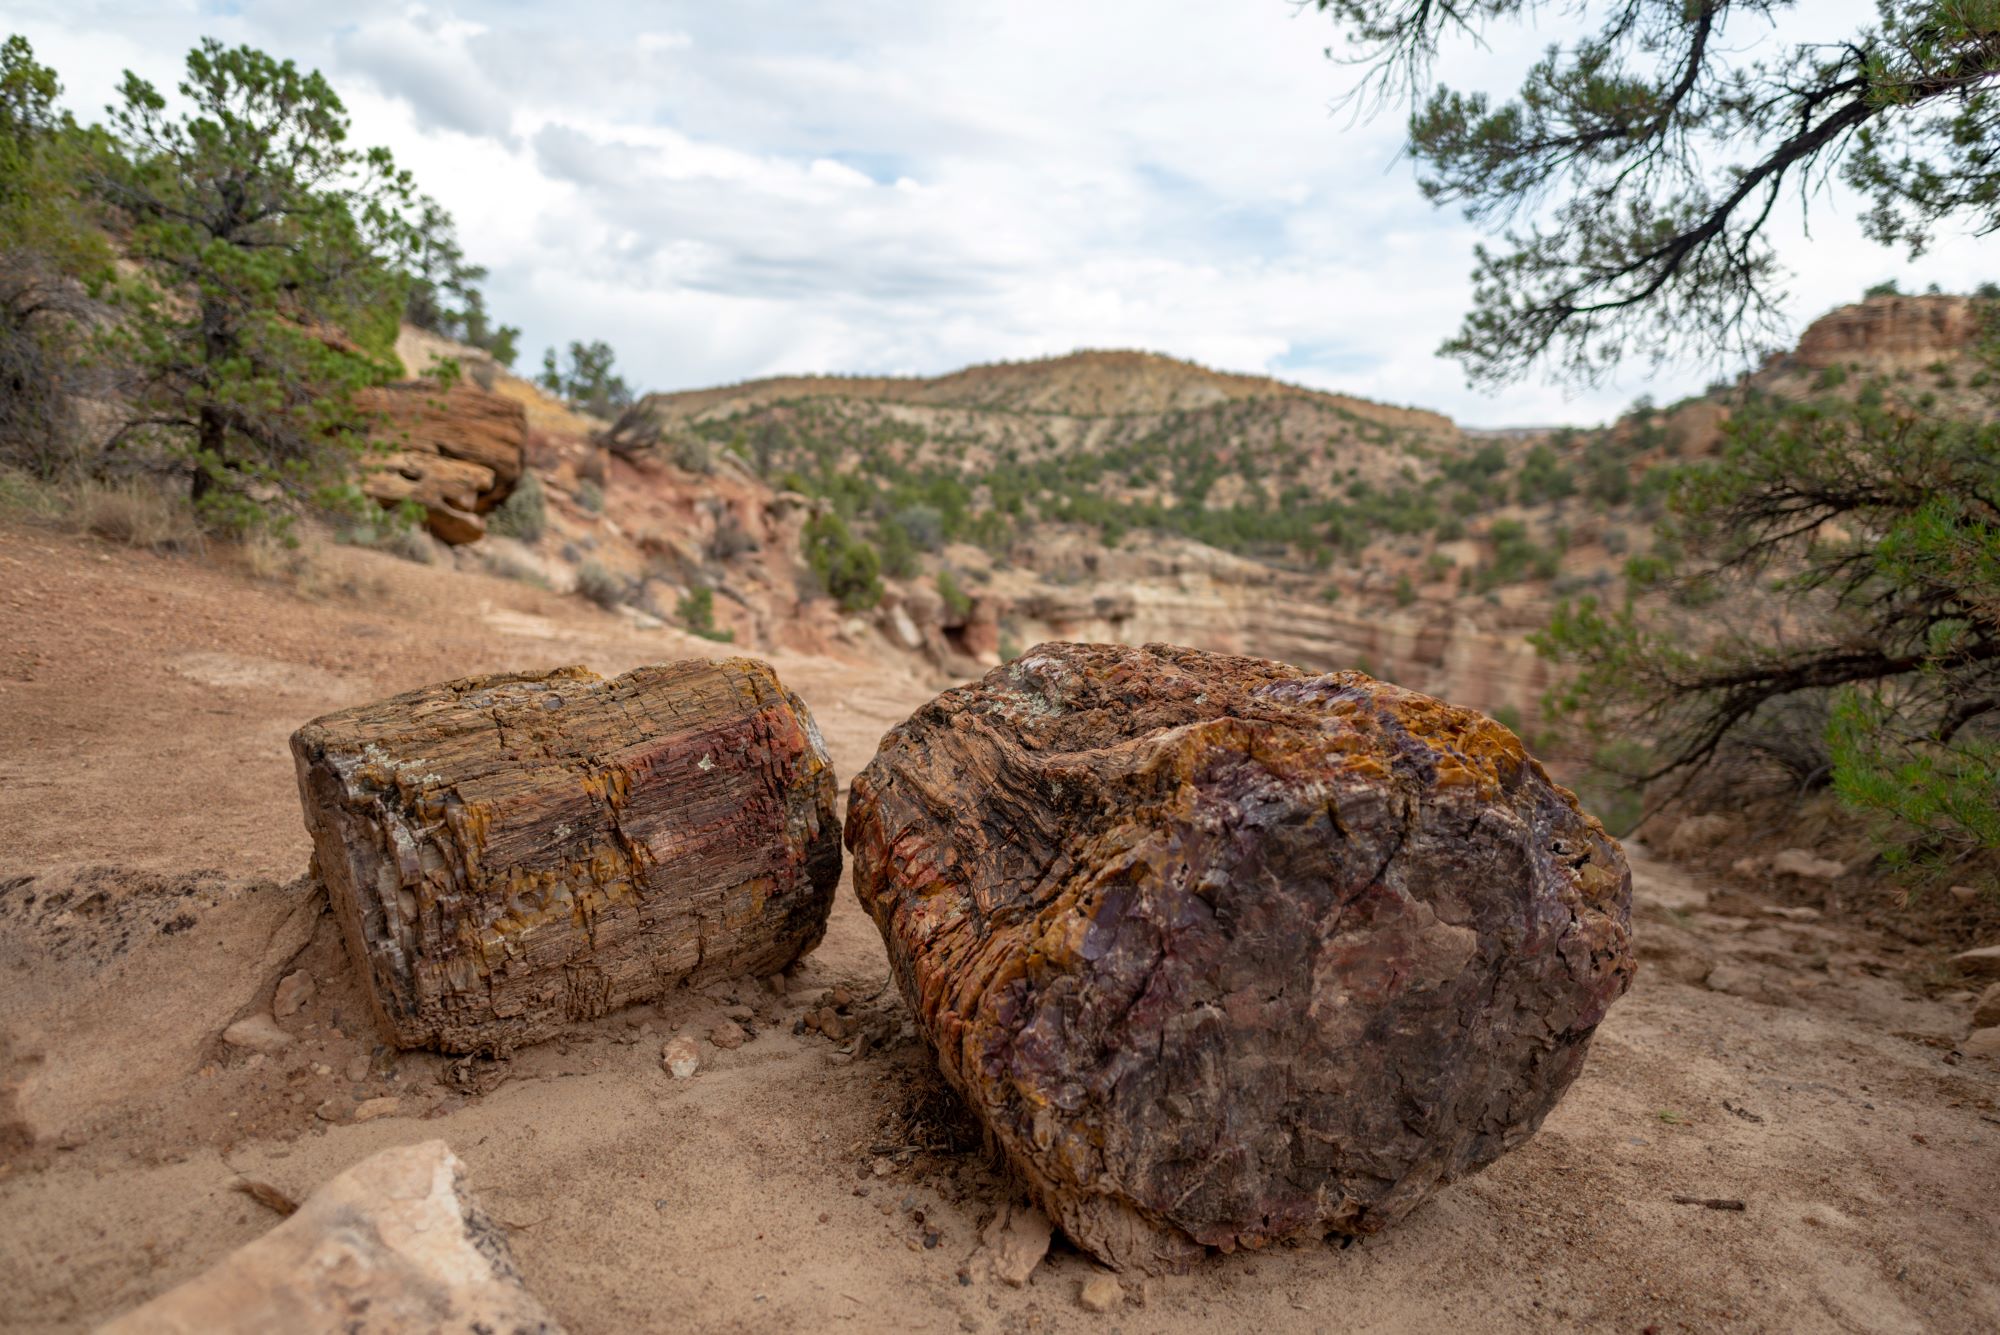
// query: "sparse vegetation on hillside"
[[1305, 482], [1829, 600]]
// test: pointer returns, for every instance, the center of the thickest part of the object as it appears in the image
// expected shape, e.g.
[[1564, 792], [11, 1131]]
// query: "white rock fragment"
[[395, 1243]]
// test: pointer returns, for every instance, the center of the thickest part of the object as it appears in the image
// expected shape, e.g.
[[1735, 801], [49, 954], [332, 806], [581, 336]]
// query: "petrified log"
[[1223, 952], [512, 853]]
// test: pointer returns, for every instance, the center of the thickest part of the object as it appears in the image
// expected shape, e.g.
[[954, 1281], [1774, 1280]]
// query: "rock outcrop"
[[395, 1243], [510, 854], [1891, 332], [457, 452], [1222, 952]]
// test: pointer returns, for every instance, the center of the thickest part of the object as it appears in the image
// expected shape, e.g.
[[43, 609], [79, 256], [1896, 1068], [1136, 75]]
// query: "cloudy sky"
[[734, 188]]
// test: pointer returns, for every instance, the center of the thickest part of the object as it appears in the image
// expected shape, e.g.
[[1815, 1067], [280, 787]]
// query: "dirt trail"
[[149, 845]]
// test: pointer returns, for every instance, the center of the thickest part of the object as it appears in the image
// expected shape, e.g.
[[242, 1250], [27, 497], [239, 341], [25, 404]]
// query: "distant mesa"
[[1088, 383]]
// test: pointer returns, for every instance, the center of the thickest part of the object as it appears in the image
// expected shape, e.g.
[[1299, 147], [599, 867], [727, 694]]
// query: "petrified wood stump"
[[508, 854], [1221, 951]]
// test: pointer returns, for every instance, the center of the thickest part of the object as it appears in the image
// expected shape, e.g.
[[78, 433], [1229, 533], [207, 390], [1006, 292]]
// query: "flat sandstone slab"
[[510, 854], [1223, 952], [395, 1243]]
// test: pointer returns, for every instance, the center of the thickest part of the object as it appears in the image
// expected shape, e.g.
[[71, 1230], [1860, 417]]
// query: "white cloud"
[[428, 61], [726, 191]]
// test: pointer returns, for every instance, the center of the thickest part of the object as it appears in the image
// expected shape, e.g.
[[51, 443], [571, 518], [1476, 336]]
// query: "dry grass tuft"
[[136, 514]]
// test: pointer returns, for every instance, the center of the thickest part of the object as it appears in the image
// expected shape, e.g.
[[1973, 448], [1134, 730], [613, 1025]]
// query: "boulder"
[[1887, 332], [447, 489], [395, 1243], [509, 854], [1982, 1043], [457, 452], [1223, 952]]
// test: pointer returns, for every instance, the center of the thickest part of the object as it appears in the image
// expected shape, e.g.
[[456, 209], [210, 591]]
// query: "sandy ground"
[[150, 892]]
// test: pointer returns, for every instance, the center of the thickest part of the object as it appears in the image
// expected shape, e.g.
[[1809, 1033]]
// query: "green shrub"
[[691, 454], [957, 602], [697, 613], [1543, 477], [398, 532], [847, 568], [599, 585], [508, 566], [590, 496], [525, 512]]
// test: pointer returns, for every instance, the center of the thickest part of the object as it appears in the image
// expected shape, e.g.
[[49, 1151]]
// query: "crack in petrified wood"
[[509, 854], [1223, 952]]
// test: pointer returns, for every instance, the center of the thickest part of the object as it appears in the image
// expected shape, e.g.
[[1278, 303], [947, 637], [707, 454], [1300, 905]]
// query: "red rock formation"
[[456, 452], [1891, 332], [1222, 952]]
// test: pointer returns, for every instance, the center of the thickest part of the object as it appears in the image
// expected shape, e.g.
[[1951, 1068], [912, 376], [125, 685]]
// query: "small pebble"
[[726, 1035], [294, 991], [1100, 1293], [681, 1057]]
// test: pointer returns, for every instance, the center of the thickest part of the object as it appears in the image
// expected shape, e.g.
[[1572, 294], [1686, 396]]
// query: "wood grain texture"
[[509, 854], [1222, 952]]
